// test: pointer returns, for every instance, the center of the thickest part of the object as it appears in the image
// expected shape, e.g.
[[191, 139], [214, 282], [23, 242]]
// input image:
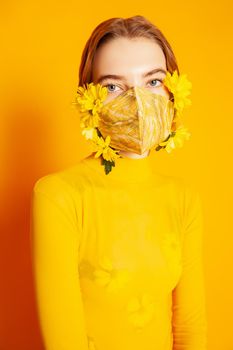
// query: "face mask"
[[137, 120]]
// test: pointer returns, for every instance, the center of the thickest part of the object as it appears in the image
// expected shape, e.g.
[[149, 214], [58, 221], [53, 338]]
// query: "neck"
[[129, 168], [134, 155]]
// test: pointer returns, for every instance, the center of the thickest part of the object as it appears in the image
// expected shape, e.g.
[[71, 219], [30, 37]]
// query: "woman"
[[118, 253]]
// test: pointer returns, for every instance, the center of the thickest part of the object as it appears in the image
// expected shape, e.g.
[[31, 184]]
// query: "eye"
[[154, 82], [111, 87]]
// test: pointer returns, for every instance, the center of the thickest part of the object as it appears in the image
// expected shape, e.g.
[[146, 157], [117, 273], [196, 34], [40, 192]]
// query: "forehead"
[[125, 56]]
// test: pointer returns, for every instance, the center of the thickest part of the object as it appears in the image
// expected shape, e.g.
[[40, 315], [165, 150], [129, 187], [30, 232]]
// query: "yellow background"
[[41, 46]]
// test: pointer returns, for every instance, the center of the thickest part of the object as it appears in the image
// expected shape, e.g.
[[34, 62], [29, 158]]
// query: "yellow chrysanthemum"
[[176, 139], [141, 310], [110, 277], [89, 133], [102, 147], [180, 87], [110, 154], [88, 120], [89, 100], [91, 97], [177, 116]]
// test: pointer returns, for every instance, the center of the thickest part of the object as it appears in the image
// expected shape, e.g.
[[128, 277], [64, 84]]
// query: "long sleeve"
[[189, 308], [55, 239]]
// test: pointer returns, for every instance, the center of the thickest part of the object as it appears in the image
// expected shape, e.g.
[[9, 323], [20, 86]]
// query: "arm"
[[189, 309], [55, 238]]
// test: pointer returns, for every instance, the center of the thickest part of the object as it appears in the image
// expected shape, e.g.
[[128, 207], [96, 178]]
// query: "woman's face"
[[123, 63]]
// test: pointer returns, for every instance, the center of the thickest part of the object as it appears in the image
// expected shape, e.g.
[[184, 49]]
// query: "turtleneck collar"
[[126, 169]]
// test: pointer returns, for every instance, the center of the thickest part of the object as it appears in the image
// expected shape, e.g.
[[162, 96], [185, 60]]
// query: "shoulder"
[[189, 198], [179, 184], [63, 185], [182, 185], [183, 192]]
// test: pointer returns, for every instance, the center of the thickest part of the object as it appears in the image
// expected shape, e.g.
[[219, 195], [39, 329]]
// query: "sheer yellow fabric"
[[118, 259]]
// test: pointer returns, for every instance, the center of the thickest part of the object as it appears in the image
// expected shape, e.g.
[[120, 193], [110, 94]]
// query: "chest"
[[130, 235]]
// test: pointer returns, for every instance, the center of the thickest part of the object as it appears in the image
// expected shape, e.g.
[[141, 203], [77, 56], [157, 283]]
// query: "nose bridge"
[[134, 90], [134, 79], [143, 97], [140, 93]]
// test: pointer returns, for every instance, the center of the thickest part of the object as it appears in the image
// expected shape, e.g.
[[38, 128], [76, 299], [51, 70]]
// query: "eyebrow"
[[121, 77]]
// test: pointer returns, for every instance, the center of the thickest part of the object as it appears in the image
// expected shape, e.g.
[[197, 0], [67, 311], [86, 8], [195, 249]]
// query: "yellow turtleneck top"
[[117, 258]]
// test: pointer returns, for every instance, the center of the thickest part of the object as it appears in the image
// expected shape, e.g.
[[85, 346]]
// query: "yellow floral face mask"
[[136, 120]]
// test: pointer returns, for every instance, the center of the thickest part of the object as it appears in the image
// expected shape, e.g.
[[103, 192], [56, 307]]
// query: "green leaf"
[[108, 165], [158, 147], [98, 132], [168, 137]]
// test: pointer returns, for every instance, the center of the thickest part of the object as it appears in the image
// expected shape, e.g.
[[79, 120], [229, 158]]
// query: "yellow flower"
[[102, 147], [88, 120], [110, 154], [89, 133], [91, 97], [177, 116], [109, 277], [176, 139], [89, 100], [141, 310], [180, 87]]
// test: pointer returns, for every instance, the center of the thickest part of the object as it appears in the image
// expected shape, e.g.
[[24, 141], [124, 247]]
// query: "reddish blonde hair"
[[132, 27]]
